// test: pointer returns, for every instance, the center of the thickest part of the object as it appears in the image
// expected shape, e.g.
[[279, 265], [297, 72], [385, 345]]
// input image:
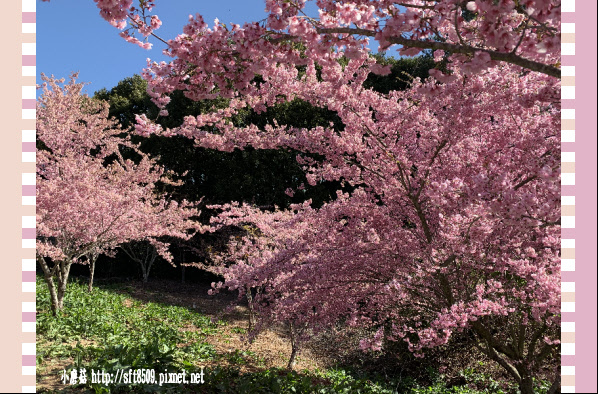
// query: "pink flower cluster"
[[85, 204], [454, 222]]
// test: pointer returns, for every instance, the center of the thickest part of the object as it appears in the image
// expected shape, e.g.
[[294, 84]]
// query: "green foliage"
[[120, 333], [275, 380], [107, 330], [239, 330], [127, 98], [231, 380], [403, 71]]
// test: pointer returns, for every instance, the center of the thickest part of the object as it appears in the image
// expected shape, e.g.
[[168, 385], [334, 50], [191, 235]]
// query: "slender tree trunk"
[[144, 273], [63, 278], [250, 304], [147, 261], [294, 346], [51, 285], [252, 317], [136, 252], [92, 268], [54, 305], [147, 264], [182, 256]]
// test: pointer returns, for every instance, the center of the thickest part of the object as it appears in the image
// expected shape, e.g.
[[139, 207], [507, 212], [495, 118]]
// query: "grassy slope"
[[110, 330]]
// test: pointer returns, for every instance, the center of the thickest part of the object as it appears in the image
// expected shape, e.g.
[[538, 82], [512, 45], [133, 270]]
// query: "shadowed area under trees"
[[257, 177]]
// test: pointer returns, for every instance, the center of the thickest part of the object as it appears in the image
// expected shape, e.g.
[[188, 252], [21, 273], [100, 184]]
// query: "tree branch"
[[507, 57], [491, 352]]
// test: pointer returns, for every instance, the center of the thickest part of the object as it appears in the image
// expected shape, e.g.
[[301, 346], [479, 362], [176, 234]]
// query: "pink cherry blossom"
[[89, 198], [453, 219]]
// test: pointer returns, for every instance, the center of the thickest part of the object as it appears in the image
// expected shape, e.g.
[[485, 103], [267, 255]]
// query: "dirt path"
[[271, 348]]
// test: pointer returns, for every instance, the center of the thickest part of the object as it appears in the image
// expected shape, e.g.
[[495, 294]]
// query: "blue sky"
[[71, 36]]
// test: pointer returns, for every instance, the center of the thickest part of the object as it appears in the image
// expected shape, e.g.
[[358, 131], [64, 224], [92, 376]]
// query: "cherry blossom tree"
[[248, 254], [89, 198], [479, 33], [453, 218], [521, 32], [144, 253], [453, 224]]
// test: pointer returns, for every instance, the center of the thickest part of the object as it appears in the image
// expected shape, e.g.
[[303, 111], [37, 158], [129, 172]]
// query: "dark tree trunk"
[[144, 253], [252, 319], [147, 261], [144, 272], [526, 386], [48, 278]]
